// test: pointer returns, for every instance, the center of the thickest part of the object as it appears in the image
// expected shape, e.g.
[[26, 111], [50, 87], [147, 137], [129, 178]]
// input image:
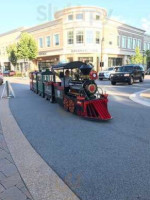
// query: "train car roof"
[[47, 72], [71, 65]]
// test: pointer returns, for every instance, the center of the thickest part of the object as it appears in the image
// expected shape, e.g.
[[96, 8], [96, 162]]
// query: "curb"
[[42, 182], [136, 97]]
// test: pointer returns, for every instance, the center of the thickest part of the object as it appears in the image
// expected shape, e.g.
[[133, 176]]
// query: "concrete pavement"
[[42, 182], [142, 97], [12, 186], [98, 161], [146, 94]]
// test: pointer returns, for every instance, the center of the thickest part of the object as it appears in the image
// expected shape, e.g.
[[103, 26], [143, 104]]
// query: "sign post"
[[7, 91]]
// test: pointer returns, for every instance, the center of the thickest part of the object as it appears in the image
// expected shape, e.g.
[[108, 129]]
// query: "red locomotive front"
[[78, 92]]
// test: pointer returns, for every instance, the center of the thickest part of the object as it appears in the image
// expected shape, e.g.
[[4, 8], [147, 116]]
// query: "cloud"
[[146, 24]]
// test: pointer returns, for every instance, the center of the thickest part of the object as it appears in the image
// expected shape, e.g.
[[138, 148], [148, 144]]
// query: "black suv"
[[127, 74]]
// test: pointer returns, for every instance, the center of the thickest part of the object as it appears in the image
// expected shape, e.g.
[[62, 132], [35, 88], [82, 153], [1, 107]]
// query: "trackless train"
[[77, 91]]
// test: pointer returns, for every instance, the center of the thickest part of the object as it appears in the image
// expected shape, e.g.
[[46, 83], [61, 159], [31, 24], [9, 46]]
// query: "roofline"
[[80, 7], [43, 25], [12, 31], [142, 30]]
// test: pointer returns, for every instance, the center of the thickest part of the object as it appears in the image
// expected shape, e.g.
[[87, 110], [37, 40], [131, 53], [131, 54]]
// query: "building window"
[[56, 39], [134, 43], [70, 17], [79, 37], [97, 17], [79, 16], [115, 62], [48, 41], [129, 43], [118, 40], [83, 59], [41, 42], [139, 44], [124, 42], [89, 37], [70, 37], [97, 37]]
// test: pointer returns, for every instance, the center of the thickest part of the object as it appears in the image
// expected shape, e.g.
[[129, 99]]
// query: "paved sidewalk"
[[146, 94], [142, 97], [11, 184]]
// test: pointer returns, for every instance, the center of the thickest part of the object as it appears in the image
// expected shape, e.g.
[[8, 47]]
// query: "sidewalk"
[[40, 179], [142, 97], [11, 184], [146, 94]]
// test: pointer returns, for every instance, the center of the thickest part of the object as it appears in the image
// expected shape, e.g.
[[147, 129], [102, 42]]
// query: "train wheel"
[[66, 104], [71, 106], [52, 99], [46, 97]]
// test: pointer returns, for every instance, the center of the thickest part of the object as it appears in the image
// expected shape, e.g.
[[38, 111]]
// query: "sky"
[[26, 13]]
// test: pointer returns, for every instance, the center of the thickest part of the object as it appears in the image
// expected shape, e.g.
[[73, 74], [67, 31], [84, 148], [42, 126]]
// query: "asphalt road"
[[98, 160]]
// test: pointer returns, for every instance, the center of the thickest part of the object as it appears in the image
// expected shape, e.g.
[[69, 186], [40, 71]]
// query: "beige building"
[[86, 33], [7, 39]]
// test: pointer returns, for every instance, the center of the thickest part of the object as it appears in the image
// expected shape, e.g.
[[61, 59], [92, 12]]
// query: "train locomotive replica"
[[77, 93]]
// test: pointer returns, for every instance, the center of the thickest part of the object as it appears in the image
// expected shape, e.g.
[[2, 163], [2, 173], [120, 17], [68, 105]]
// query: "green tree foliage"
[[138, 58], [12, 54], [27, 47], [148, 55]]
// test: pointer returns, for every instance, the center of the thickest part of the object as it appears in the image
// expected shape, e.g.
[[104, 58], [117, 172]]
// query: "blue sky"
[[17, 13]]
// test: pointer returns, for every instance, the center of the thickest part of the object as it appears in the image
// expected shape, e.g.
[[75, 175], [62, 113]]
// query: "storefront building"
[[87, 34], [7, 39]]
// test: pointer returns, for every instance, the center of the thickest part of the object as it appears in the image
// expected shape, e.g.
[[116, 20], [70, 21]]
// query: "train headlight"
[[93, 75]]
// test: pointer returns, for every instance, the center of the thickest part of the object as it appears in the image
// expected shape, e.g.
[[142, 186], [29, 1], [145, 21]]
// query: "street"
[[97, 160]]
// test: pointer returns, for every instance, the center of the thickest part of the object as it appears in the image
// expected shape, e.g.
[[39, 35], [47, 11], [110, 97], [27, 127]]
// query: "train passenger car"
[[77, 91], [31, 80], [48, 80], [34, 82]]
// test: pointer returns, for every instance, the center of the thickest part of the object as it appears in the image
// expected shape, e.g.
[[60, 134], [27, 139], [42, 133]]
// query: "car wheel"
[[113, 83], [101, 79], [141, 79], [131, 81]]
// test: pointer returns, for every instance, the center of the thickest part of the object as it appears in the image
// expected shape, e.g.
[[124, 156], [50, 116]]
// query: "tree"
[[138, 58], [27, 48], [12, 54], [147, 58]]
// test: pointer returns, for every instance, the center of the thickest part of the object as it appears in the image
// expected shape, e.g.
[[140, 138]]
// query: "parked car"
[[1, 78], [147, 72], [12, 73], [127, 74], [106, 73], [9, 73]]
